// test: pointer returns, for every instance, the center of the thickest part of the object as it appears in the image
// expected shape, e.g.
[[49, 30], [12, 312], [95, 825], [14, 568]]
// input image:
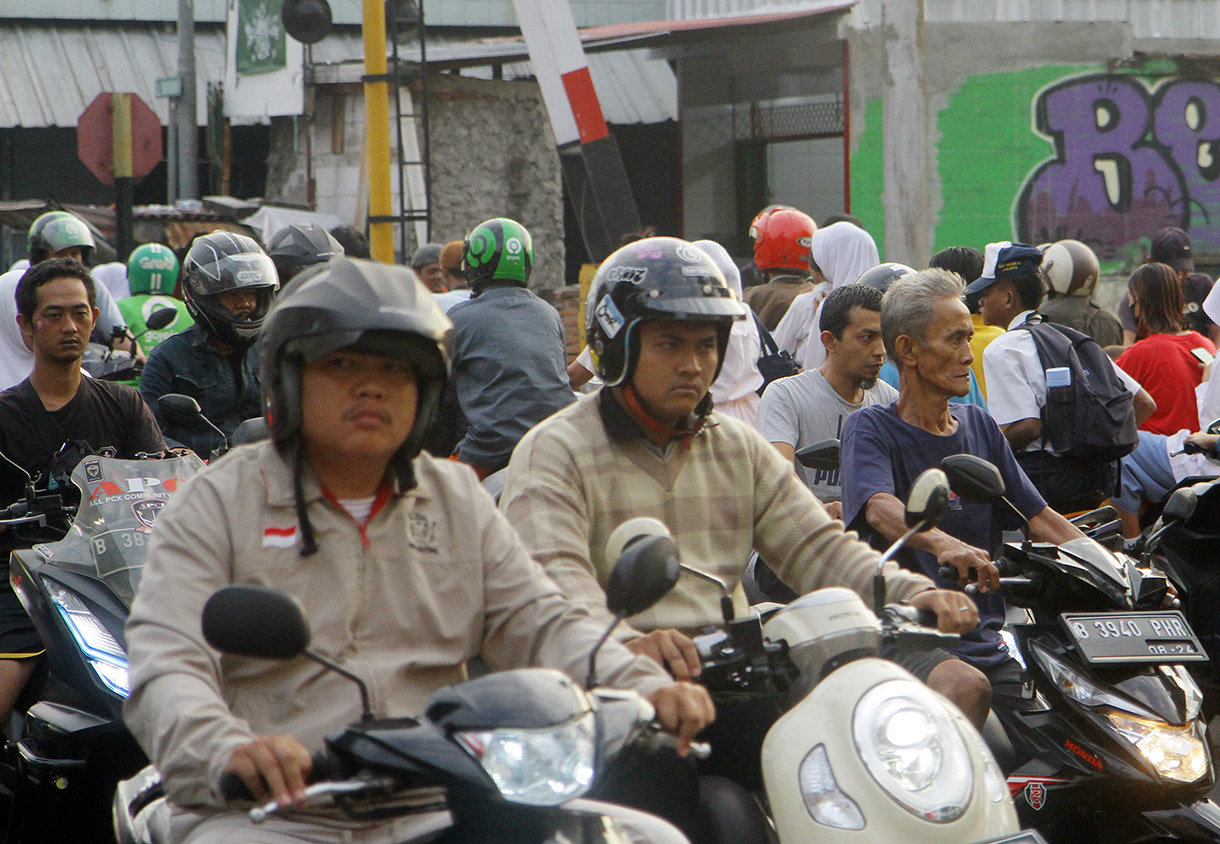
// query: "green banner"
[[260, 37]]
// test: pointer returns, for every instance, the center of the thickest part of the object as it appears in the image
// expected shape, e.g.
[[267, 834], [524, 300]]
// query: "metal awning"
[[625, 36]]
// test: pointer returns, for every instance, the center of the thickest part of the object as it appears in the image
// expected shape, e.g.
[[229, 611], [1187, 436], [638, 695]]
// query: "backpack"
[[775, 362], [1098, 422]]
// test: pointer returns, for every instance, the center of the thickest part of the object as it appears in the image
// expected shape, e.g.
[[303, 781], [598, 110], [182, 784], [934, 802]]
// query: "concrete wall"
[[493, 155], [1036, 132]]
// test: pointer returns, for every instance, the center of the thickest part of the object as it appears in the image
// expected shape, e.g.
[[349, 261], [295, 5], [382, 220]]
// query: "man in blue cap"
[[1010, 292]]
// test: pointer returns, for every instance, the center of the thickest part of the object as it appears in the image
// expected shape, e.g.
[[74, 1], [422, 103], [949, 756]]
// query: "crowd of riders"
[[389, 392]]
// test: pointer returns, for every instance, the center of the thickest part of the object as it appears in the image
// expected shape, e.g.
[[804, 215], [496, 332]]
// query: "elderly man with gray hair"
[[927, 328]]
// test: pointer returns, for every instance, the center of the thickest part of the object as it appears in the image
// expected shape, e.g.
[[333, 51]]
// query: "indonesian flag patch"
[[274, 537]]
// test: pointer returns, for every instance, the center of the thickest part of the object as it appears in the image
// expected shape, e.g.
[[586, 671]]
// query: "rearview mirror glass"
[[823, 455], [645, 572], [255, 621], [973, 478]]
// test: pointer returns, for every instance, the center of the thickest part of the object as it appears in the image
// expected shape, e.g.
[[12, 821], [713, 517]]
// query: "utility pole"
[[187, 149], [377, 132]]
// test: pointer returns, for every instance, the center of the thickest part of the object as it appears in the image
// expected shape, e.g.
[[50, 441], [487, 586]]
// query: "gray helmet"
[[363, 305], [301, 245], [882, 276], [657, 278], [220, 262], [56, 230]]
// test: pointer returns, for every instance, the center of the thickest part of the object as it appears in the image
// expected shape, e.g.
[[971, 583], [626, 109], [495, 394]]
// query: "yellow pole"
[[120, 105], [377, 129]]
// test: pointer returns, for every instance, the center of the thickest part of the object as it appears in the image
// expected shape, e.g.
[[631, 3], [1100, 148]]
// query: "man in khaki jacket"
[[341, 512]]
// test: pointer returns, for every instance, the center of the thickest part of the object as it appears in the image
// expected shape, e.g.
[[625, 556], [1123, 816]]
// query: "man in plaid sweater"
[[649, 444]]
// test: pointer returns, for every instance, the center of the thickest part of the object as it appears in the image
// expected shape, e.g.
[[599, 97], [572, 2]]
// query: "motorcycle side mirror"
[[1213, 427], [160, 318], [973, 478], [928, 501], [1180, 506], [823, 455], [256, 622], [264, 623], [644, 573], [181, 408]]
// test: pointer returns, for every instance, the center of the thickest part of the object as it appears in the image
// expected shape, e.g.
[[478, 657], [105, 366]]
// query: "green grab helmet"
[[152, 268], [498, 249], [56, 230]]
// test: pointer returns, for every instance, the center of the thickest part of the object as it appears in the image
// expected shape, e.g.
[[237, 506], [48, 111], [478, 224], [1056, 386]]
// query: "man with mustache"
[[649, 444], [54, 406], [401, 560]]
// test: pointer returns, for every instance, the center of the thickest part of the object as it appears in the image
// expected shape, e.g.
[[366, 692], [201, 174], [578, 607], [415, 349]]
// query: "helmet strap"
[[309, 544], [650, 423]]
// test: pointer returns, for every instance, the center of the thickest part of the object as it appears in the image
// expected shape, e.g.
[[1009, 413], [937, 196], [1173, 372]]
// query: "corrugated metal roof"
[[49, 73], [631, 87]]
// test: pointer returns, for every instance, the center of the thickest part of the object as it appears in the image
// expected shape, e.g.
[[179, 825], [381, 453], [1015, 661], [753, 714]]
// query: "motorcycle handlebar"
[[1007, 568], [233, 787]]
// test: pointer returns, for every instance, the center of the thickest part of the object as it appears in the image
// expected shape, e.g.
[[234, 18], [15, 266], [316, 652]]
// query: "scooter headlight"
[[1177, 752], [537, 767], [104, 654], [908, 742]]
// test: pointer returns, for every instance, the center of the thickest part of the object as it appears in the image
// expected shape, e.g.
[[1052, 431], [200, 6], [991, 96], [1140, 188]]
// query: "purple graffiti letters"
[[1186, 121], [1109, 184]]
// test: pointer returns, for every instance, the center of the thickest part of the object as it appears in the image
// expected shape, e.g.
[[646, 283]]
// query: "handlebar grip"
[[233, 787], [947, 572], [926, 618]]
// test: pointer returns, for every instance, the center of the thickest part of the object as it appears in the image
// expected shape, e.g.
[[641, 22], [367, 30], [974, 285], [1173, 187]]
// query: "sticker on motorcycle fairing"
[[146, 511], [1079, 751], [1034, 789], [93, 471], [609, 317]]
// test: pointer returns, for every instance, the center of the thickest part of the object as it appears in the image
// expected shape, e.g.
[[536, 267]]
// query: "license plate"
[[1134, 637]]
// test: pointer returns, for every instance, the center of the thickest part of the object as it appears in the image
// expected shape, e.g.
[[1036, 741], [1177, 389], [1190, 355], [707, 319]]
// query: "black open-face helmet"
[[364, 306], [220, 262], [657, 278]]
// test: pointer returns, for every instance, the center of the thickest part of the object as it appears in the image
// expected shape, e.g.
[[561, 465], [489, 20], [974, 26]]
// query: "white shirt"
[[796, 328], [1016, 382], [16, 360]]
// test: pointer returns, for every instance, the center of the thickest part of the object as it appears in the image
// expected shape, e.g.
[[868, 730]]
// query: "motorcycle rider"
[[54, 406], [228, 283], [649, 444], [300, 245], [927, 329], [401, 560], [152, 274], [782, 239], [509, 365], [55, 234]]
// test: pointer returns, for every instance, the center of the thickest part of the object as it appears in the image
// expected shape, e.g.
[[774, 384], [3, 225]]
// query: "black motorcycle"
[[507, 757], [60, 771], [1110, 746]]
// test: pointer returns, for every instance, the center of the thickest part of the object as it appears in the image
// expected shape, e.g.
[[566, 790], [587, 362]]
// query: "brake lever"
[[315, 792]]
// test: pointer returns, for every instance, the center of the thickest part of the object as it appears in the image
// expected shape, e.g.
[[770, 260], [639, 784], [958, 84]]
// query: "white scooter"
[[864, 751]]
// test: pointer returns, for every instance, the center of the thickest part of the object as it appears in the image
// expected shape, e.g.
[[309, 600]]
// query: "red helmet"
[[782, 239]]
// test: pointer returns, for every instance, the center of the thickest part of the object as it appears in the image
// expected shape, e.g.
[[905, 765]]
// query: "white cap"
[[991, 256]]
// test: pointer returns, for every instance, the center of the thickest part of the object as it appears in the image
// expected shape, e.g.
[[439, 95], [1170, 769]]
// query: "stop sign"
[[95, 138]]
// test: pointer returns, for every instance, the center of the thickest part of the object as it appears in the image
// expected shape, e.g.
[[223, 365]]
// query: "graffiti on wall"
[[1130, 157]]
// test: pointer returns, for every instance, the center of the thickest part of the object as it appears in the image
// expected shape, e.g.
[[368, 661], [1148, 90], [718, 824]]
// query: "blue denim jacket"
[[189, 363]]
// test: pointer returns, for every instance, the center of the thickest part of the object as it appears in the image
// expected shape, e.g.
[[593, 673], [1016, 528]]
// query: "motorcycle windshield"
[[1107, 570], [119, 503]]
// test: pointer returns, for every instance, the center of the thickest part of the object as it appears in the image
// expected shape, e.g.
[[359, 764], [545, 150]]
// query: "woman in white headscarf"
[[843, 252], [735, 390]]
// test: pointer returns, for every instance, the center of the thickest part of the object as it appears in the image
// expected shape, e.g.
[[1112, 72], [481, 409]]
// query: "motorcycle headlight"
[[104, 654], [1079, 688], [994, 782], [537, 767], [826, 803], [910, 745], [1177, 752]]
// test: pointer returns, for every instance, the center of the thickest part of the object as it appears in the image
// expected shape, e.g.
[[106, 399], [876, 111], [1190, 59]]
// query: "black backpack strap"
[[769, 345]]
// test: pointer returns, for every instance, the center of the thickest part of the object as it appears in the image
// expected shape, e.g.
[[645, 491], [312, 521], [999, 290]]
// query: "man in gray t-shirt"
[[810, 407]]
